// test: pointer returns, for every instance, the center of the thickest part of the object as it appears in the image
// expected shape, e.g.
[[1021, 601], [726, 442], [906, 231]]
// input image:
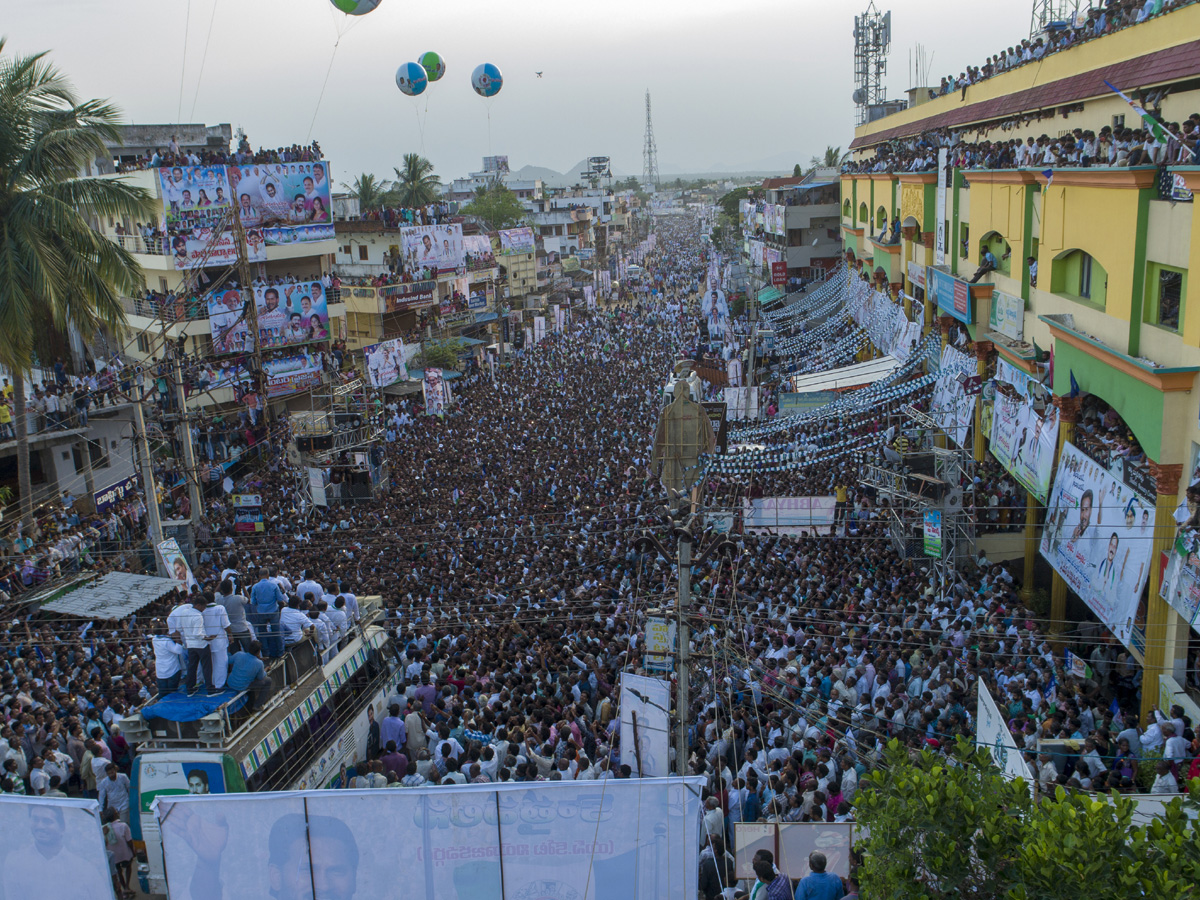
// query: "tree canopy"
[[415, 183], [496, 207]]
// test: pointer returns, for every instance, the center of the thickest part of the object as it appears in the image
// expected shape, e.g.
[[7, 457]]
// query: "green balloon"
[[433, 64], [356, 7]]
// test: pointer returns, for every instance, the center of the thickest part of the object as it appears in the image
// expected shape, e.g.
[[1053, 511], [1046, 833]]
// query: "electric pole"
[[142, 443], [683, 639]]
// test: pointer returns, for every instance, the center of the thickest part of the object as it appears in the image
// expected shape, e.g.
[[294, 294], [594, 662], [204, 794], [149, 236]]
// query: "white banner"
[[647, 701], [991, 731], [943, 172], [52, 841], [1099, 538], [386, 362], [788, 515], [1024, 442], [589, 840]]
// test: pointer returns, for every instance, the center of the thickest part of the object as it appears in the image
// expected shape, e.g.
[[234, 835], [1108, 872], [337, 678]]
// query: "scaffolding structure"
[[925, 478]]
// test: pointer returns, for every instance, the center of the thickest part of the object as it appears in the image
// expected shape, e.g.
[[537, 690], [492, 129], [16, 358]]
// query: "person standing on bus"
[[217, 626], [195, 639], [235, 608], [247, 673], [266, 599]]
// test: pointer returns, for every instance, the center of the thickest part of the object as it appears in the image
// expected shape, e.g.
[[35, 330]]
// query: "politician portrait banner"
[[49, 838], [386, 362], [292, 314], [281, 194], [516, 240], [426, 246], [228, 322], [1024, 442], [298, 371], [1099, 537]]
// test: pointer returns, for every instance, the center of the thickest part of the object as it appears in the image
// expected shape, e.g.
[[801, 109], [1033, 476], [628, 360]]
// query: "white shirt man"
[[167, 658], [310, 586], [216, 625], [293, 622]]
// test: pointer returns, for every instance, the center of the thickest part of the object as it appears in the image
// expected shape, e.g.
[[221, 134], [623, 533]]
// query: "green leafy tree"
[[370, 191], [496, 207], [442, 354], [53, 266], [415, 183], [729, 203], [958, 828], [797, 171]]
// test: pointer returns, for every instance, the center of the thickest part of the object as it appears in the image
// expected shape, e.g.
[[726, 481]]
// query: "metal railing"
[[179, 309], [135, 243]]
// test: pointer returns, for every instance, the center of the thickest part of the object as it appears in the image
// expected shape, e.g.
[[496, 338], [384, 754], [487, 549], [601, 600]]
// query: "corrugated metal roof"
[[1160, 67]]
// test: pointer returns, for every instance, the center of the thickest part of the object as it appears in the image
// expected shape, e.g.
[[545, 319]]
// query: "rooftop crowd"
[[175, 155], [508, 567]]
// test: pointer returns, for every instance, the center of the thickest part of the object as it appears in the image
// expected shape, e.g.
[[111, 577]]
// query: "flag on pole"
[[1048, 174], [1151, 124]]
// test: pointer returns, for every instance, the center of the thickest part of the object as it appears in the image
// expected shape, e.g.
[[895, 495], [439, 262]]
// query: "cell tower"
[[1048, 13], [650, 152], [872, 41]]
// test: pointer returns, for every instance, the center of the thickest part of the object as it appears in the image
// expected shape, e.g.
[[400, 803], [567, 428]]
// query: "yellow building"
[[1108, 291]]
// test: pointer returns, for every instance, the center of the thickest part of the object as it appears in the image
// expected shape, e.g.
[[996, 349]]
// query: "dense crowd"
[[507, 560], [175, 155]]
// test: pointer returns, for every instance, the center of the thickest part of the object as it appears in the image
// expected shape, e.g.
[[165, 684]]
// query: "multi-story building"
[[1092, 270], [794, 221]]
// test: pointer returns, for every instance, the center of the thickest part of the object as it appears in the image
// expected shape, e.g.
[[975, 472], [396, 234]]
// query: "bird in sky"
[[538, 74]]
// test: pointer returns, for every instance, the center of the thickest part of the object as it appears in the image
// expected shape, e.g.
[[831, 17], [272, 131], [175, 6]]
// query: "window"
[[1165, 289], [162, 285], [143, 344], [362, 251], [1078, 276], [1085, 276], [847, 210], [346, 250]]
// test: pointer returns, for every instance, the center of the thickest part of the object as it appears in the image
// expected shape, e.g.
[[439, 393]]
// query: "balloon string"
[[321, 96], [420, 124], [489, 115]]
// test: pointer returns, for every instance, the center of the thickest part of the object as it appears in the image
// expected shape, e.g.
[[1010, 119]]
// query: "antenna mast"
[[650, 152]]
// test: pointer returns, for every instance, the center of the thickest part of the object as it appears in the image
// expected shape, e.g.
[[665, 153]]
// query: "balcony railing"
[[135, 243]]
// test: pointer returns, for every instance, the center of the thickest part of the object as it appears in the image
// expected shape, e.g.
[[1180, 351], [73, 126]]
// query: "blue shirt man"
[[267, 596], [244, 669], [820, 885]]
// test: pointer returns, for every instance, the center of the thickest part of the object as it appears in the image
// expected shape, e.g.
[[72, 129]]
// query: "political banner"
[[539, 329], [298, 234], [209, 376], [516, 240], [1181, 584], [660, 644], [203, 245], [292, 373], [247, 513], [780, 219], [991, 731], [715, 309], [282, 195], [788, 515], [1022, 382], [645, 725], [228, 323], [106, 498], [430, 246], [933, 533], [50, 836], [175, 562], [952, 295], [953, 408], [193, 193], [291, 314], [1024, 442], [477, 252], [386, 362], [568, 840], [1099, 537], [435, 392]]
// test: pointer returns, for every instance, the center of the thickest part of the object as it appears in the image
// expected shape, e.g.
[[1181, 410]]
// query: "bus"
[[309, 732]]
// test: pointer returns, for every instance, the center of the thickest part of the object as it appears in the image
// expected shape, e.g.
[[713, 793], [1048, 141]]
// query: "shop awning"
[[770, 295]]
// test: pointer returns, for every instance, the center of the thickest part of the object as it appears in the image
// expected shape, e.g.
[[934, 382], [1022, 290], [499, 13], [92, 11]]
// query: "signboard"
[[386, 362], [316, 485], [290, 374], [1179, 188], [1181, 586], [716, 412], [1099, 537], [791, 844], [110, 496], [399, 297], [660, 644], [497, 164], [516, 240], [933, 533], [247, 513], [432, 246], [1024, 442], [176, 563], [992, 732], [953, 408], [778, 274], [282, 195], [200, 245], [1007, 316], [916, 274], [645, 725], [291, 314], [953, 296]]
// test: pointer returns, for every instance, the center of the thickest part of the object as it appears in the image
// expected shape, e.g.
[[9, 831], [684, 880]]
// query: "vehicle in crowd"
[[312, 728]]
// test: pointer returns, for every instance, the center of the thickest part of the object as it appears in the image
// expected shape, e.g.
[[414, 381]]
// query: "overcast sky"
[[737, 85]]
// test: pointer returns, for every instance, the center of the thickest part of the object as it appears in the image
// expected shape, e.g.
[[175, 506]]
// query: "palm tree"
[[53, 266], [370, 191], [415, 183], [831, 160]]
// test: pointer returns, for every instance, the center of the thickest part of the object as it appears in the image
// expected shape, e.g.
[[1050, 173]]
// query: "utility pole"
[[189, 451], [683, 644], [251, 312], [142, 443]]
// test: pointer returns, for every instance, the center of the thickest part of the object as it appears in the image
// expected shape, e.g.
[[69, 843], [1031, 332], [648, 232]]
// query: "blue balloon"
[[411, 79], [487, 80]]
